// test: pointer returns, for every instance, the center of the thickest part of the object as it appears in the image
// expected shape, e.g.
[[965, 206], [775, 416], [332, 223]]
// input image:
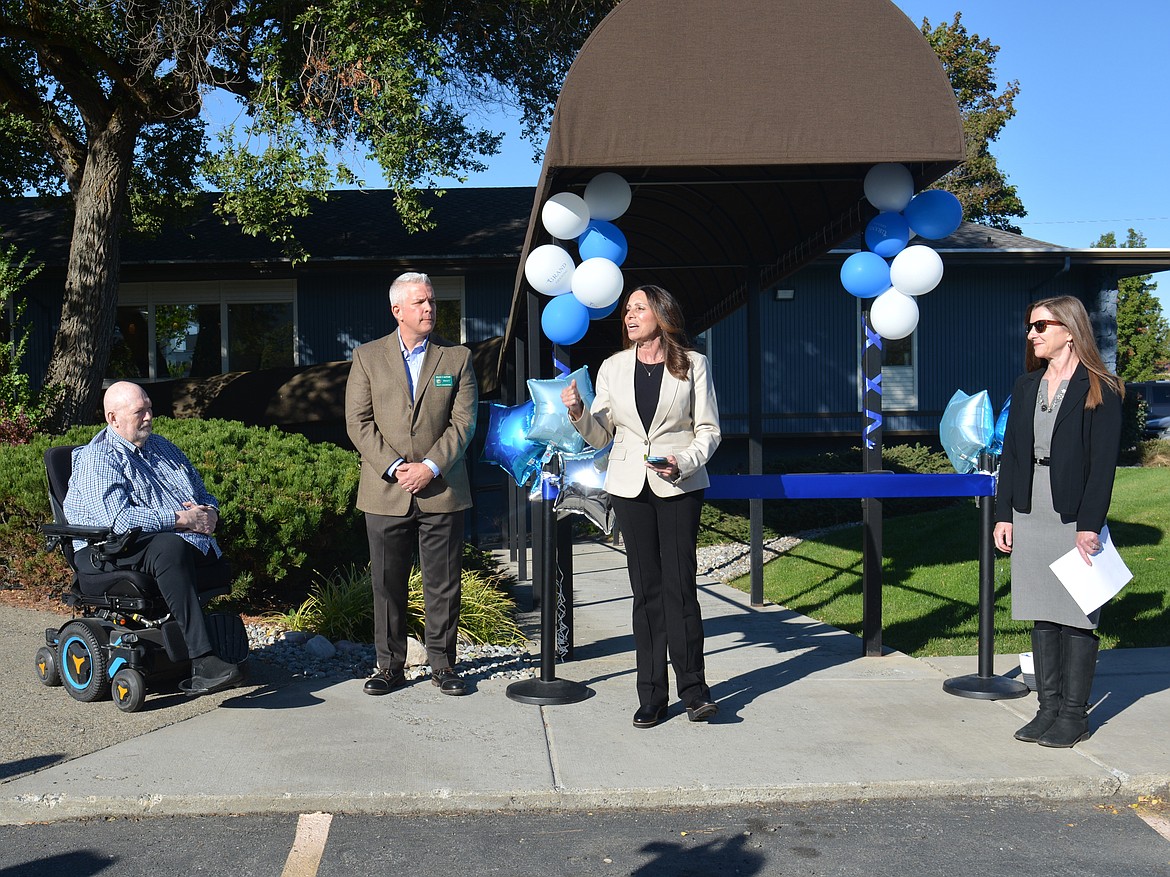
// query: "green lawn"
[[930, 576]]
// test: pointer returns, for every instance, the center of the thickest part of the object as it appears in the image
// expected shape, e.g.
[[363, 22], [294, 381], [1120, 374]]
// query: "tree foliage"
[[103, 101], [22, 408], [1143, 335], [979, 184]]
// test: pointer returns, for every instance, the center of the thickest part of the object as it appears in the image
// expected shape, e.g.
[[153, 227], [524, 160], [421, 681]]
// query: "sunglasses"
[[1040, 325]]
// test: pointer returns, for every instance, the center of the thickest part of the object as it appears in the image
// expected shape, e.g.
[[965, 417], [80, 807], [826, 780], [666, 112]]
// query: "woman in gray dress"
[[1055, 483]]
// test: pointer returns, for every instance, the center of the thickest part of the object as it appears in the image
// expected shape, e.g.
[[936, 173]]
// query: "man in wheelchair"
[[127, 478]]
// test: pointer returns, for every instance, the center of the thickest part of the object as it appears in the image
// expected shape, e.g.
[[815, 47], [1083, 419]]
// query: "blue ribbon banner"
[[847, 485], [872, 339]]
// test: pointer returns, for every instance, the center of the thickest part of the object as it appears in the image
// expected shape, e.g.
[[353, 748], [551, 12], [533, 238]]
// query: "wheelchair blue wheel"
[[83, 661], [128, 688], [45, 665]]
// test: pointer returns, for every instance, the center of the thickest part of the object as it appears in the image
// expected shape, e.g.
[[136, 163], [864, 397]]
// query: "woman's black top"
[[647, 389]]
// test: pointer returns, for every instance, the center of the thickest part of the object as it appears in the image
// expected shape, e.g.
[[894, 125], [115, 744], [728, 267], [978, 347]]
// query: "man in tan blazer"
[[410, 406]]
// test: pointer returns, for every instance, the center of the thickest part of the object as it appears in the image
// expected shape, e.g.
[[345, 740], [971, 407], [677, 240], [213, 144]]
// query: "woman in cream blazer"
[[655, 401]]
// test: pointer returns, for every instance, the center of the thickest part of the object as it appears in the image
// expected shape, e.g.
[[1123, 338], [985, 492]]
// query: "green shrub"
[[1134, 413], [286, 504]]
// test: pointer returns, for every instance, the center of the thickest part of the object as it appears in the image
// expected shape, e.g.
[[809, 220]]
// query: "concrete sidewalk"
[[802, 718]]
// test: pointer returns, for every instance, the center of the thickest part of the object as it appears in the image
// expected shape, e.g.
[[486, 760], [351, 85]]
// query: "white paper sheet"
[[1093, 586]]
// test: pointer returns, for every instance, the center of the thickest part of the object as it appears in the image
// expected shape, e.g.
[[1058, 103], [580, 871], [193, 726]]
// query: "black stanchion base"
[[985, 687], [548, 692]]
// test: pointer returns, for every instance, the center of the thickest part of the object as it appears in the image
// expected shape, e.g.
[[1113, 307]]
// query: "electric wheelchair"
[[125, 640]]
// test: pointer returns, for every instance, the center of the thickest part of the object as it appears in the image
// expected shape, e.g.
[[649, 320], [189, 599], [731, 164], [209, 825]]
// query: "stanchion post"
[[871, 507], [986, 685], [548, 690], [755, 348]]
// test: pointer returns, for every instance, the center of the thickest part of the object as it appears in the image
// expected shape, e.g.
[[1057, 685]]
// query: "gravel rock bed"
[[314, 657], [730, 561]]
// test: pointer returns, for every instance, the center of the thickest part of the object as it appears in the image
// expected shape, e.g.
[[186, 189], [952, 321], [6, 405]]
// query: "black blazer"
[[1083, 459]]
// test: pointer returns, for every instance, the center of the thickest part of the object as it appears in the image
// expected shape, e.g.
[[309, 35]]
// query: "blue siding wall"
[[340, 310], [970, 337]]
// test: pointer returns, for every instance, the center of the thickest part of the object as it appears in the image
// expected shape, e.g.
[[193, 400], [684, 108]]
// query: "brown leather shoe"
[[384, 681]]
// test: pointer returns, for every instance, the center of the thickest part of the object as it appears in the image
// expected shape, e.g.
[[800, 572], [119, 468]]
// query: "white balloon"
[[597, 282], [916, 270], [889, 186], [549, 269], [565, 215], [608, 196], [893, 315]]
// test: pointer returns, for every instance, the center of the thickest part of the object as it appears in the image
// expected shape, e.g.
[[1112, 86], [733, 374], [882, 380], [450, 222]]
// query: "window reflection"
[[130, 350], [260, 336]]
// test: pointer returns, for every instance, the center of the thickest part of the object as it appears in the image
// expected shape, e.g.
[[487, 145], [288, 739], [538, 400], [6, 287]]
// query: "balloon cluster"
[[892, 272], [968, 428], [588, 291], [521, 439]]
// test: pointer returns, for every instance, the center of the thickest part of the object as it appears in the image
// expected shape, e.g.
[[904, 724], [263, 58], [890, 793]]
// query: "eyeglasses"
[[1040, 326]]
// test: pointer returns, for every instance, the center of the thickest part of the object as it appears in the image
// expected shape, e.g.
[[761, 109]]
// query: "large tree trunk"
[[81, 348]]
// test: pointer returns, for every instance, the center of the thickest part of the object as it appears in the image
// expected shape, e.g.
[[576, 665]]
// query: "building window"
[[196, 330], [449, 318], [899, 372]]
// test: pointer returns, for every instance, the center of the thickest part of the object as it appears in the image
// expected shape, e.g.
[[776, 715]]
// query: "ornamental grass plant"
[[341, 606]]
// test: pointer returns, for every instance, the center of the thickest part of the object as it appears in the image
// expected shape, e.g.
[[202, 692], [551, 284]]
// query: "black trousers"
[[439, 539], [175, 564], [660, 535]]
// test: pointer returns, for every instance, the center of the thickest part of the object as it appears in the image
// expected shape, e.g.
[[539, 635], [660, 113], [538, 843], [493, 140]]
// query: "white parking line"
[[1156, 821], [308, 846]]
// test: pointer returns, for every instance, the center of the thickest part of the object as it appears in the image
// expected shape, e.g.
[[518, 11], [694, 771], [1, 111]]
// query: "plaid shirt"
[[116, 484]]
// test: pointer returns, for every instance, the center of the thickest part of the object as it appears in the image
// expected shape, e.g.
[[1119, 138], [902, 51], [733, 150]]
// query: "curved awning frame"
[[745, 129]]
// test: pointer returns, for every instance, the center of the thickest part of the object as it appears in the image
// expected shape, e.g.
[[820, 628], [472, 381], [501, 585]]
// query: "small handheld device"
[[658, 461]]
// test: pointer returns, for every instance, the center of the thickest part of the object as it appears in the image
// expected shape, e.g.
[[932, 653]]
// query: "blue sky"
[[1089, 148]]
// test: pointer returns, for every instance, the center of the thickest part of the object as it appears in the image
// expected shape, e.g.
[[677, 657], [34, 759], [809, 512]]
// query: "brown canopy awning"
[[745, 128]]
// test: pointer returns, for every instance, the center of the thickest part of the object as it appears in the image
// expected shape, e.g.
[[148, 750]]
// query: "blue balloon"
[[887, 234], [966, 429], [550, 420], [507, 444], [1000, 428], [865, 275], [934, 213], [602, 239], [598, 313], [564, 320]]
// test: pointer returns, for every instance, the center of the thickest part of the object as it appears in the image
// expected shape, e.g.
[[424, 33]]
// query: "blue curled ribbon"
[[872, 385]]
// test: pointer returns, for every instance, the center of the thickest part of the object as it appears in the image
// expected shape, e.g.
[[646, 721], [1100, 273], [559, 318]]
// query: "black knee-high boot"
[[1080, 665], [1047, 658]]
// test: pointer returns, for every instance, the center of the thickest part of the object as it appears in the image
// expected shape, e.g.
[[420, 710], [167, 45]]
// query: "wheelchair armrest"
[[103, 540], [75, 531]]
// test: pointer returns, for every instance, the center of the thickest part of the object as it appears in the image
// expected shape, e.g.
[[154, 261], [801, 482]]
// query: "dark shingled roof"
[[351, 225]]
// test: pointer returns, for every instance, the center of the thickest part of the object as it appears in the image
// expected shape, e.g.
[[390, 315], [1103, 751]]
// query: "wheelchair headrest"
[[59, 466]]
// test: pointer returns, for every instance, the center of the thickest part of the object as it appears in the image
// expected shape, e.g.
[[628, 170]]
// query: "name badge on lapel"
[[444, 380]]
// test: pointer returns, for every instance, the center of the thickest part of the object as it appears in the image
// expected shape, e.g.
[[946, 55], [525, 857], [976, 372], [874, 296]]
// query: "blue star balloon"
[[507, 444], [1000, 428], [583, 488], [966, 429], [550, 422]]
